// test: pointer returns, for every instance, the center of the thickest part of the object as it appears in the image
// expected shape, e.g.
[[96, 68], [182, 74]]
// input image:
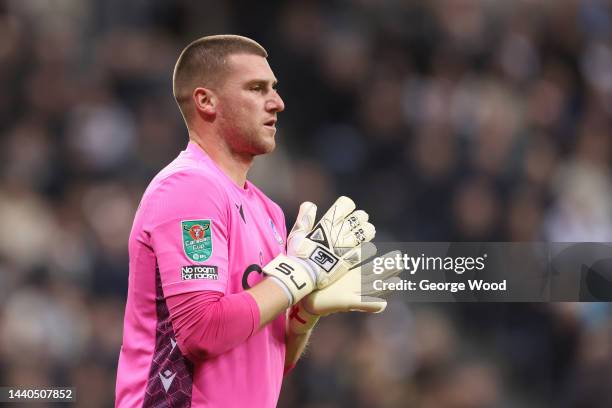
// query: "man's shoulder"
[[184, 185], [184, 172]]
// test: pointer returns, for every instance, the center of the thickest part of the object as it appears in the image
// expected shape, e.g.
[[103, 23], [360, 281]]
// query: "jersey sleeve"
[[208, 324], [189, 233]]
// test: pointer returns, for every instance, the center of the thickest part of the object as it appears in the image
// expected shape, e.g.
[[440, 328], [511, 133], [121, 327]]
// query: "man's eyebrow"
[[263, 82]]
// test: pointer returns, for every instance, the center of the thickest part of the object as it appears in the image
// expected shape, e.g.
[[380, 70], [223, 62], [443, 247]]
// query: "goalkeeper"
[[212, 274]]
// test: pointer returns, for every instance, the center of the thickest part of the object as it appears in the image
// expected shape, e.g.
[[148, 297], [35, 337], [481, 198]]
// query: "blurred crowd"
[[448, 120]]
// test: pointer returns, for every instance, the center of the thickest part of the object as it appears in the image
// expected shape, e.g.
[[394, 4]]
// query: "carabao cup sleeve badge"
[[197, 239]]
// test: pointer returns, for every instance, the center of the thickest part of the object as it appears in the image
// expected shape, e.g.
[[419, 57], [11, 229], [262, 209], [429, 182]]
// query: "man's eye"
[[257, 88]]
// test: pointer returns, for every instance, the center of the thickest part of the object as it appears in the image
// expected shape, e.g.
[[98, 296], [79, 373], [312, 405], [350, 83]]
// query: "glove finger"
[[364, 233], [352, 256], [370, 275], [370, 305], [366, 251], [306, 217], [349, 239], [383, 293], [355, 219], [370, 278], [356, 255], [368, 287], [303, 224], [338, 212]]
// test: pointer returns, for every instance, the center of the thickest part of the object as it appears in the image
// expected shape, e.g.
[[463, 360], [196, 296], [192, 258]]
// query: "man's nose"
[[275, 104]]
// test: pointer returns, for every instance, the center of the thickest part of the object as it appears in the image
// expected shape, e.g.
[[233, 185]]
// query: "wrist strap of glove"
[[293, 274]]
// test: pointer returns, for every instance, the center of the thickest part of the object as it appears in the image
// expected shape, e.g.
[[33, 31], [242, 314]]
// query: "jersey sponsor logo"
[[277, 236], [247, 272], [190, 272], [197, 239], [324, 258]]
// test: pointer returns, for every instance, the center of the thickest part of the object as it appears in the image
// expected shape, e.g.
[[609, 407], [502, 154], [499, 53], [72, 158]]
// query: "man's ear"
[[205, 101]]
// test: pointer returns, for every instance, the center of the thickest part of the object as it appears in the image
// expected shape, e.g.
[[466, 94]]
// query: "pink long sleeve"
[[208, 323]]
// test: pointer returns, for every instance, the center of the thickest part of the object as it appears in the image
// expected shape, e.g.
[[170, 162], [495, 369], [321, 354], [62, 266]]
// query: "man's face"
[[248, 105]]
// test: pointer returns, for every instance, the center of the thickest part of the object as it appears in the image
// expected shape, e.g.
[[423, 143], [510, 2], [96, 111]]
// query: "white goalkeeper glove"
[[318, 256], [359, 290]]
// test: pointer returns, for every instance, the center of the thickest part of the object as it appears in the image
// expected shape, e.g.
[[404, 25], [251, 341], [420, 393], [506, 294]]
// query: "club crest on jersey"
[[277, 236], [197, 239]]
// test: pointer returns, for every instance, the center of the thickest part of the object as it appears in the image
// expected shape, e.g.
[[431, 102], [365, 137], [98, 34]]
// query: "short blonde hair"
[[204, 63]]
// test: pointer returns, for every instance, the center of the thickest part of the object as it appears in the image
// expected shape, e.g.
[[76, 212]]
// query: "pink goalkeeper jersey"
[[196, 230]]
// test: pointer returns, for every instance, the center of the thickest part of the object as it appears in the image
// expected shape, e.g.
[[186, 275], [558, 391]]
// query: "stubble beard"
[[251, 141], [261, 144], [247, 138]]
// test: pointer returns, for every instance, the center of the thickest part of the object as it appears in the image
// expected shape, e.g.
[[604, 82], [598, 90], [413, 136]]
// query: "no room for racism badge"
[[197, 239]]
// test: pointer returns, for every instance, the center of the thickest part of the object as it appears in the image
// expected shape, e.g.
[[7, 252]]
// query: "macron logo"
[[166, 378]]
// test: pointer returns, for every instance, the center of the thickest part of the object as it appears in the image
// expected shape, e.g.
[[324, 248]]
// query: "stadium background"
[[464, 120]]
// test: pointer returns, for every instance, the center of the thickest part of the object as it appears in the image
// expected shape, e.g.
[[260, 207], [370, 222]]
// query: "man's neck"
[[233, 165]]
